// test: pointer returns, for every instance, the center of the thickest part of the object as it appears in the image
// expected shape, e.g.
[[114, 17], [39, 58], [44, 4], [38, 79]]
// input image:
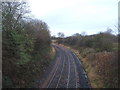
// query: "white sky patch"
[[75, 16]]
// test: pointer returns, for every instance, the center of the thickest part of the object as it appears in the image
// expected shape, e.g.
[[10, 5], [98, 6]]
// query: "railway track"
[[67, 71]]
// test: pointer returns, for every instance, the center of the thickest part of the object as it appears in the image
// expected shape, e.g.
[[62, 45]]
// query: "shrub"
[[107, 67], [26, 46]]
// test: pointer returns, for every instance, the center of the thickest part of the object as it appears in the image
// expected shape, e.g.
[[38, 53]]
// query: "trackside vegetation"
[[25, 46], [99, 56], [27, 50]]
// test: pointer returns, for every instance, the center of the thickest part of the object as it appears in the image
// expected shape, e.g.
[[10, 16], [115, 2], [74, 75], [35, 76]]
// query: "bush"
[[107, 67], [26, 46], [99, 42]]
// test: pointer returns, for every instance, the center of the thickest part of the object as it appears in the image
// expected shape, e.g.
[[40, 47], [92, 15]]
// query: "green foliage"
[[99, 42], [103, 42], [7, 82], [26, 46]]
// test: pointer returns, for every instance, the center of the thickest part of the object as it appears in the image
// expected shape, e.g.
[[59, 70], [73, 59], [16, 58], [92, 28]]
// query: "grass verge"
[[101, 67]]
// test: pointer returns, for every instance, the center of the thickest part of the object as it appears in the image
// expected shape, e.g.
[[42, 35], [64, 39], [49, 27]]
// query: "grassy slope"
[[100, 67]]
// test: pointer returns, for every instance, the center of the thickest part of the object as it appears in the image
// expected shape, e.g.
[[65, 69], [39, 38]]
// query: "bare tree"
[[83, 33], [61, 35], [12, 14], [76, 34], [109, 30]]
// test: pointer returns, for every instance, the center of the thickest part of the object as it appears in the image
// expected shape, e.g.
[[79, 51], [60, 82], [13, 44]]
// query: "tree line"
[[103, 41], [25, 45]]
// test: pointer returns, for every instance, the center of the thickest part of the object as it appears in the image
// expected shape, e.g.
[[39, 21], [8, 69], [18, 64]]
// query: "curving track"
[[67, 71]]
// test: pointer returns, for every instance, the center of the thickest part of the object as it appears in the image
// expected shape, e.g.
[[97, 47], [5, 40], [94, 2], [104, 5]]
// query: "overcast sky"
[[76, 16]]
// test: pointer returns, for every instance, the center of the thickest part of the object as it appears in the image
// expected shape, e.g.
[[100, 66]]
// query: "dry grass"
[[52, 53], [95, 80], [101, 68], [107, 67]]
